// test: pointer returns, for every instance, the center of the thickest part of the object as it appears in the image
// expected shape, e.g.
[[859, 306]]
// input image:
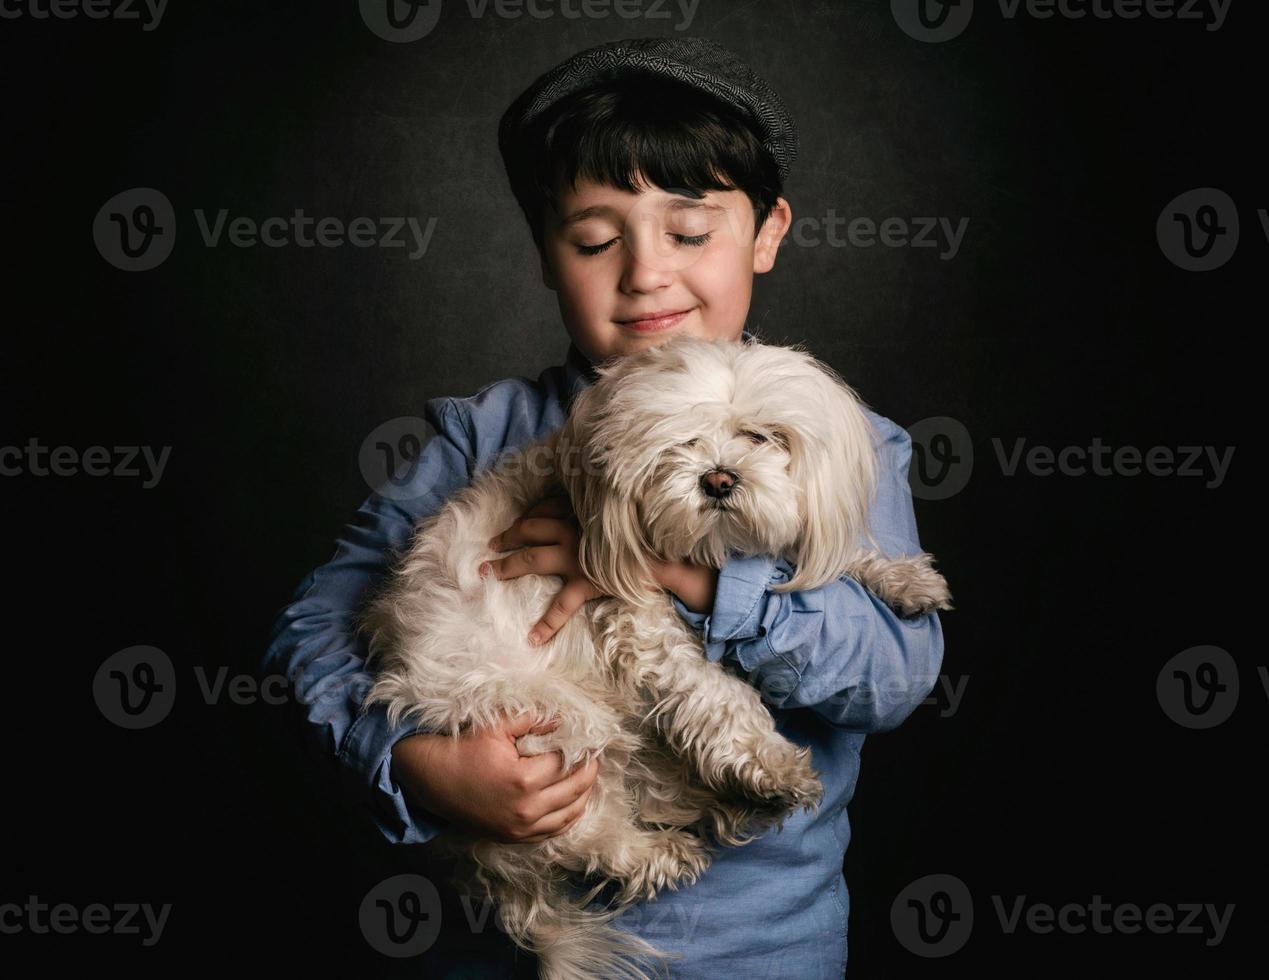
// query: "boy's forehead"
[[578, 210], [591, 199]]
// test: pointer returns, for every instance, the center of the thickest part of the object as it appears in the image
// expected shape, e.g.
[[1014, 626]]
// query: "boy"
[[650, 172]]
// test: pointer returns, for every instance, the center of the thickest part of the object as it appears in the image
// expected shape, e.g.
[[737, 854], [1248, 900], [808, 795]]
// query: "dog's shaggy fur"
[[687, 749]]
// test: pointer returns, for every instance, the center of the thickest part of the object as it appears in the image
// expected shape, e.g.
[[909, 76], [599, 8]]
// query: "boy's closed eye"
[[693, 241]]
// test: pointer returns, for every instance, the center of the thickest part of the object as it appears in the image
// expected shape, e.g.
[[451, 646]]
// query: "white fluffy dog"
[[687, 451]]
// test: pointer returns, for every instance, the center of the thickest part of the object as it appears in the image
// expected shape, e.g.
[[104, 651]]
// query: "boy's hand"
[[695, 585], [552, 534], [486, 789]]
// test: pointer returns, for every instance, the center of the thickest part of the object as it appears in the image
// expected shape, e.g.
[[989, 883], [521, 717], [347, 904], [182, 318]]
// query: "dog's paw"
[[795, 783], [779, 778], [919, 590], [673, 858]]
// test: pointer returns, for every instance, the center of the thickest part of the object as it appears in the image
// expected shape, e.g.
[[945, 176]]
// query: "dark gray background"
[[1060, 319]]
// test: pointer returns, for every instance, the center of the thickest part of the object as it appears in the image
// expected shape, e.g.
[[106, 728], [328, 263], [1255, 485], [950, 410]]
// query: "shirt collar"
[[580, 373]]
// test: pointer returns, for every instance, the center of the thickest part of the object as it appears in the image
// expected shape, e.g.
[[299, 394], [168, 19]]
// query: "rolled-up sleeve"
[[315, 643], [837, 649]]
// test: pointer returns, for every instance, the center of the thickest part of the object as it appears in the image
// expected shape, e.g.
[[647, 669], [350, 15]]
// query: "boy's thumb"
[[528, 724]]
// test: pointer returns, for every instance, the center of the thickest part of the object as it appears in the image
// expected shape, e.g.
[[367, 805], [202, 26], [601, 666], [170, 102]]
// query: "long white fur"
[[687, 750]]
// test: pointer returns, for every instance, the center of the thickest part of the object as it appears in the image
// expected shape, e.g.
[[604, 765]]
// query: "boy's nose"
[[719, 482]]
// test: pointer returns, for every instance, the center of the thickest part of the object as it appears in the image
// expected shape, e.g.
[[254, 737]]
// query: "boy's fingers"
[[580, 776], [544, 774], [558, 506], [554, 824], [567, 601], [541, 560], [538, 529], [561, 792], [557, 821]]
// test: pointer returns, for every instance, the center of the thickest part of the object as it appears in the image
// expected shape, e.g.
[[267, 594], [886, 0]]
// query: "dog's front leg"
[[909, 585], [718, 723]]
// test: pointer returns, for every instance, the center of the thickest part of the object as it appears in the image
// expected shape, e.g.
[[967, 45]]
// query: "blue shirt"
[[833, 664]]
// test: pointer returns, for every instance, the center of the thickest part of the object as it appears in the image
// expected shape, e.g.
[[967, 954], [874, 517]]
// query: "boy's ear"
[[767, 244]]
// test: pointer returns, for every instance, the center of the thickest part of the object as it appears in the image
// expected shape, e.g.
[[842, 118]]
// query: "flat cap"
[[695, 61]]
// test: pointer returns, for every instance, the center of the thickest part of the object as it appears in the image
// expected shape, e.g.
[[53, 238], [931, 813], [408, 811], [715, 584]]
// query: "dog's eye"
[[775, 436]]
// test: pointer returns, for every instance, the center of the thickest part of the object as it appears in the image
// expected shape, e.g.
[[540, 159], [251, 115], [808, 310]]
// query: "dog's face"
[[697, 449]]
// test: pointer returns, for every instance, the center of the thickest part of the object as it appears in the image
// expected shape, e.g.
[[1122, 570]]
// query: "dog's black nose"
[[719, 482]]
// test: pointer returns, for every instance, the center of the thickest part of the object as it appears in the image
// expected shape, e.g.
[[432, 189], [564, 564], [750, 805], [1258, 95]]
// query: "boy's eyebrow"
[[675, 204], [687, 204]]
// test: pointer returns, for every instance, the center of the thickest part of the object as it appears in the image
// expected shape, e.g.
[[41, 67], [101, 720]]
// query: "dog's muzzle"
[[719, 482]]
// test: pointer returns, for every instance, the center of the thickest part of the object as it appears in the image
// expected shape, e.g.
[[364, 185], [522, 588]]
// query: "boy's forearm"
[[838, 649], [846, 655], [315, 642]]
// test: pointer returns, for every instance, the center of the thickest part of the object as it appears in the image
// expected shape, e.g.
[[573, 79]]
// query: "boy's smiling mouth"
[[657, 320]]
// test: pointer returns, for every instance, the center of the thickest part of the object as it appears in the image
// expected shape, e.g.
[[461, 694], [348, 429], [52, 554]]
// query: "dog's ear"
[[835, 466], [613, 551]]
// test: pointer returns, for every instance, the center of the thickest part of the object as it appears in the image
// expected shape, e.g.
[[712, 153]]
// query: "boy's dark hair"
[[677, 136]]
